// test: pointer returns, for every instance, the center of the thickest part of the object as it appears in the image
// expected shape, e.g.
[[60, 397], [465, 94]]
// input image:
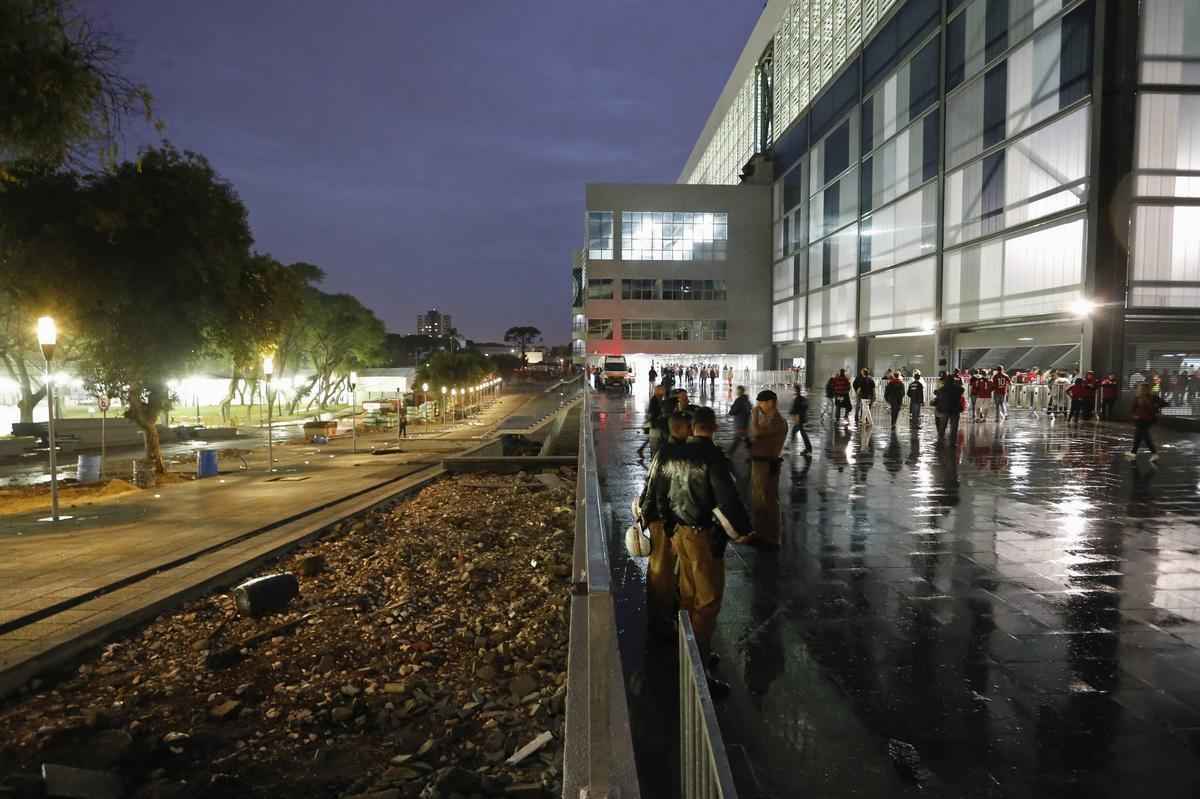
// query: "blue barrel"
[[206, 462]]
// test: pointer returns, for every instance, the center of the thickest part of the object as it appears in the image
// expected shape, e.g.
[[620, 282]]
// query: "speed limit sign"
[[103, 403]]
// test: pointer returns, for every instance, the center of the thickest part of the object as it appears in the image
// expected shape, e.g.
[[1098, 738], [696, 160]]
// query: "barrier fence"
[[598, 751], [703, 761]]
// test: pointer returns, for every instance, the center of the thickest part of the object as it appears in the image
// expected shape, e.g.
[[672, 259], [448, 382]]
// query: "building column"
[[810, 360], [1113, 125], [945, 353], [863, 355]]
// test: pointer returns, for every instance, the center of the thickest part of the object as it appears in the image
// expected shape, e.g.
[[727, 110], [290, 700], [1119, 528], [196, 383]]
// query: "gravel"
[[428, 647]]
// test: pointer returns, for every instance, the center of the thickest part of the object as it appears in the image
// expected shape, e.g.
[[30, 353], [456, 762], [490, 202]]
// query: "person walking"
[[740, 411], [660, 572], [916, 399], [1078, 392], [1146, 406], [866, 397], [1001, 384], [981, 396], [799, 417], [402, 421], [893, 395], [1110, 389], [948, 406], [653, 375], [768, 433], [656, 413], [840, 385], [697, 499]]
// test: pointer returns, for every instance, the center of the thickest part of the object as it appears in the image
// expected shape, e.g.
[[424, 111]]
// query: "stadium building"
[[924, 183]]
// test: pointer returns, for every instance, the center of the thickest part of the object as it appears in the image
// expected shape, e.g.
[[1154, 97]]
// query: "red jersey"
[[841, 385], [981, 387], [1078, 391], [1000, 385]]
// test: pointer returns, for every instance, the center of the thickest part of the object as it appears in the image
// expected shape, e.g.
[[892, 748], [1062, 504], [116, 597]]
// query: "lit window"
[[600, 235], [674, 235]]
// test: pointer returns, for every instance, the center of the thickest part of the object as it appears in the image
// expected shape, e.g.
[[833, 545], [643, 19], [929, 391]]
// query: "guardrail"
[[598, 752], [703, 761], [536, 411]]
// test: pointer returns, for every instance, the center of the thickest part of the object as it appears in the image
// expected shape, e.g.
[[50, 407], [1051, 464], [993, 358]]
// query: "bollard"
[[268, 594]]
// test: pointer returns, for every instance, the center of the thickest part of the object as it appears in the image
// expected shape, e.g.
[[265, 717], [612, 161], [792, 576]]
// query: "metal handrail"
[[703, 762], [598, 755]]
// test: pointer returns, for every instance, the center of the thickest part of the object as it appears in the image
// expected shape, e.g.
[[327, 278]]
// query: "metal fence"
[[598, 753], [703, 761]]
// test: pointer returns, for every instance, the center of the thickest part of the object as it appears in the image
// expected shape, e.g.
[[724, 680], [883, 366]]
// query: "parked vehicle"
[[617, 374]]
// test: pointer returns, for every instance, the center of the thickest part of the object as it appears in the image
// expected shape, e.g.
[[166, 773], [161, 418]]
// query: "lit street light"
[[47, 336], [268, 370], [424, 403], [354, 409]]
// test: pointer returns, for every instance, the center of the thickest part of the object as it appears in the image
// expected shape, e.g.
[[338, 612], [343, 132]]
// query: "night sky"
[[432, 154]]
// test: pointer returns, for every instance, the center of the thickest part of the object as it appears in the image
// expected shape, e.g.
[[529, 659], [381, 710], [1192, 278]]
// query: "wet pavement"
[[1023, 610]]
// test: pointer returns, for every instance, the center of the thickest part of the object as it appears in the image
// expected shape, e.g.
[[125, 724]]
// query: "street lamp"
[[47, 336], [454, 403], [354, 409], [444, 389], [268, 367], [424, 402]]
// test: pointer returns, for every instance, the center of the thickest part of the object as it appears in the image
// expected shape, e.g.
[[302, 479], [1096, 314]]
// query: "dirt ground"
[[23, 499], [427, 647]]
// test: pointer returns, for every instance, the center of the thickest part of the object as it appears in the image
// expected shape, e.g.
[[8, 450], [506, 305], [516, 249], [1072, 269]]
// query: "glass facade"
[[674, 329], [600, 235], [600, 328], [674, 235], [1164, 270], [639, 289], [693, 290]]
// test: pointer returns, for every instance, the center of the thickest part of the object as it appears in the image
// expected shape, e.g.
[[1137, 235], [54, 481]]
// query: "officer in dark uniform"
[[694, 494]]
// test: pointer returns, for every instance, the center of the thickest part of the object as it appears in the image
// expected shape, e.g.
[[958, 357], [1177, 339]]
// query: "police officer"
[[695, 494], [660, 572]]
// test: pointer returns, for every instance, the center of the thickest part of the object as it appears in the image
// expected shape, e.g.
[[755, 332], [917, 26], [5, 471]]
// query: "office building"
[[434, 323], [962, 182]]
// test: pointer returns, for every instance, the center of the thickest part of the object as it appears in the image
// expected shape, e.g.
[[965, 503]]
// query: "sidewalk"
[[63, 582]]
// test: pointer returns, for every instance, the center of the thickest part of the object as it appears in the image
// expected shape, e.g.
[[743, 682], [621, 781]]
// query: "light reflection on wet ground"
[[1024, 610]]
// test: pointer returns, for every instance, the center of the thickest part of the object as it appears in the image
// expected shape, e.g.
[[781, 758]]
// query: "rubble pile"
[[424, 656]]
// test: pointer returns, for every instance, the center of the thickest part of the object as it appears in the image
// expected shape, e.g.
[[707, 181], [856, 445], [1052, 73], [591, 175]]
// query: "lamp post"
[[354, 409], [47, 335], [268, 367], [454, 404], [444, 390], [424, 402]]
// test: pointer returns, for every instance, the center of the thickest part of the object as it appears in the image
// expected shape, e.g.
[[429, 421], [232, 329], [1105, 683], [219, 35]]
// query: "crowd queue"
[[689, 510]]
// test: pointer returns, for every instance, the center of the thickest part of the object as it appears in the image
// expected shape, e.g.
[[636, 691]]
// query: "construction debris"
[[427, 658]]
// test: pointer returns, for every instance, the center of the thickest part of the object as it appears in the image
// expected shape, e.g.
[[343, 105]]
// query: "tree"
[[339, 334], [150, 264], [453, 369], [60, 87], [522, 337]]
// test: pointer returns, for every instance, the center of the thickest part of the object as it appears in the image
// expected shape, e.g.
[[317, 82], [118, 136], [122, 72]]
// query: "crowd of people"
[[695, 376], [690, 510]]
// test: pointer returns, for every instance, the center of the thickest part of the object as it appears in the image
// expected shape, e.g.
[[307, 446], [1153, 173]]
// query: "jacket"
[[893, 392], [840, 384], [740, 411], [767, 434], [947, 400], [1109, 389], [865, 386], [656, 415], [916, 391], [692, 480], [1145, 409], [800, 407]]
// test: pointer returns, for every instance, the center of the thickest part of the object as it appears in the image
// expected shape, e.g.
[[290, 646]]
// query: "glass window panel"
[[831, 311], [899, 299], [1166, 243], [1028, 274], [902, 231], [1168, 142], [1170, 42], [783, 280], [600, 328], [675, 236], [600, 289], [1034, 176], [600, 235], [834, 207], [783, 321]]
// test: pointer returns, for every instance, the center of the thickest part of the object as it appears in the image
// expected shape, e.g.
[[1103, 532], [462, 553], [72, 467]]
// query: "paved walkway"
[[48, 570], [1024, 610]]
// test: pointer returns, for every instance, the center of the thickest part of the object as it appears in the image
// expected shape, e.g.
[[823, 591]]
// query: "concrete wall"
[[746, 269]]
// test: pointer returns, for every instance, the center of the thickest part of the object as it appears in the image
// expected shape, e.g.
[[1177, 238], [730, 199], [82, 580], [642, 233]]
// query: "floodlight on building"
[[1082, 307]]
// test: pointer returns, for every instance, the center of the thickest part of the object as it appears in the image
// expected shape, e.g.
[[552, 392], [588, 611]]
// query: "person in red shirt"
[[841, 395], [1092, 384], [1000, 384], [1078, 394], [981, 393], [1110, 387]]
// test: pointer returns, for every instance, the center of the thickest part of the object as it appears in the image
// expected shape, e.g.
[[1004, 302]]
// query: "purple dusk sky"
[[433, 154]]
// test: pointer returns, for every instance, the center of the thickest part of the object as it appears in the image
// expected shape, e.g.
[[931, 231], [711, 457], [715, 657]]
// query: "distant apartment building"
[[434, 323]]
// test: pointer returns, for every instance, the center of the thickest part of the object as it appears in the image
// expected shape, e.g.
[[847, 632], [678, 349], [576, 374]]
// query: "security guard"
[[660, 572], [699, 504]]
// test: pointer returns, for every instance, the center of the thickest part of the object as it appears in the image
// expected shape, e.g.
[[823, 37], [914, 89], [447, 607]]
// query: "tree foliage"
[[523, 337], [63, 95], [453, 369]]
